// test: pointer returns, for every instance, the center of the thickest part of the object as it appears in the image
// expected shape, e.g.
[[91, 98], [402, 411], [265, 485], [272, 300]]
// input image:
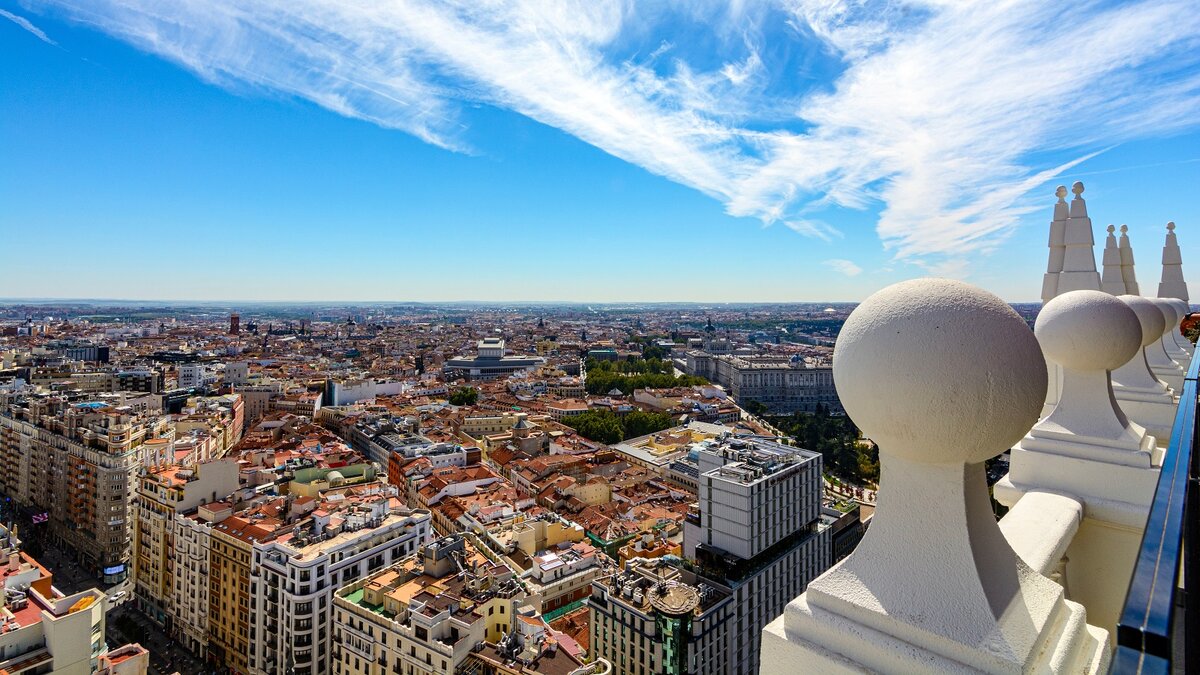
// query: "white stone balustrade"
[[943, 376], [1183, 345], [1146, 399], [1086, 451], [1161, 364]]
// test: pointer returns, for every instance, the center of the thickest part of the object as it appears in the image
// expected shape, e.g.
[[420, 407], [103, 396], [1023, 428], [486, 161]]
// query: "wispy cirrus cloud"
[[846, 267], [27, 26], [939, 114]]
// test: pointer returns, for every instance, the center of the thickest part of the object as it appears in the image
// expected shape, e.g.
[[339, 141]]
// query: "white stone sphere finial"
[[1077, 188], [939, 371], [1124, 228], [1171, 226], [1110, 229], [1152, 321], [1061, 192], [1170, 311], [1088, 331]]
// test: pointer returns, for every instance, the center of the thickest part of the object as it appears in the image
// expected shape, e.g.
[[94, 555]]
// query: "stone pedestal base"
[[1113, 478], [1154, 411], [1053, 633], [1169, 374]]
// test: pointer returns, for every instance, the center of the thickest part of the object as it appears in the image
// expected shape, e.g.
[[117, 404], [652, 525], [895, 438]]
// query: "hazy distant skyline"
[[605, 152]]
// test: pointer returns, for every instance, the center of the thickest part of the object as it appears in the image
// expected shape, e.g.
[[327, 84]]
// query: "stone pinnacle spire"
[[1172, 284], [1111, 282], [1079, 260], [1127, 273], [1057, 248]]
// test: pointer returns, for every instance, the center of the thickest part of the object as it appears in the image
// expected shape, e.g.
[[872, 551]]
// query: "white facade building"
[[292, 582]]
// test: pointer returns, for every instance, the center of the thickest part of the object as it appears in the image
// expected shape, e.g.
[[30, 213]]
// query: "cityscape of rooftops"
[[598, 337]]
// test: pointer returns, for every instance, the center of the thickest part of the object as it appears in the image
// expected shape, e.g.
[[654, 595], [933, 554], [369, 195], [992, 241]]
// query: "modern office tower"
[[654, 618], [165, 492], [75, 466], [427, 613], [235, 324], [293, 577], [758, 533]]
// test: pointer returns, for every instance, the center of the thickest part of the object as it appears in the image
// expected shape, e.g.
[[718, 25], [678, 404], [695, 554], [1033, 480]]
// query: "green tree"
[[625, 376], [640, 423], [837, 439], [601, 426], [464, 396], [753, 407]]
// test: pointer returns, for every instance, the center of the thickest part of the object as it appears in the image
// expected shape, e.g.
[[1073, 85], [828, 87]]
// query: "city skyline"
[[227, 181]]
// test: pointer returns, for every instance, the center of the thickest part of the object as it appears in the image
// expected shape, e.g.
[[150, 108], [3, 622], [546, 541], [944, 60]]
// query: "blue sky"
[[784, 151]]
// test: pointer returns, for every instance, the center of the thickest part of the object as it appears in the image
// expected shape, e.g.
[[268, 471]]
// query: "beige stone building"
[[77, 462], [165, 492], [425, 614]]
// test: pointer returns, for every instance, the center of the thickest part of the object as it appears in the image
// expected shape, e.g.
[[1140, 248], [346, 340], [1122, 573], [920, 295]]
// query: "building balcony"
[[1085, 571]]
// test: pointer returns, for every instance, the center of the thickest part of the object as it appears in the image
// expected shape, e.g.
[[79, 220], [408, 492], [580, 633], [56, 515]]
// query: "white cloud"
[[841, 266], [936, 116], [27, 26]]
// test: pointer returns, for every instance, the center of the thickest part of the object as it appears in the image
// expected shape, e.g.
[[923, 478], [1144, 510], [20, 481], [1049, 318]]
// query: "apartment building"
[[194, 376], [77, 462], [293, 577], [230, 552], [189, 603], [43, 631], [653, 618], [221, 417], [426, 614], [556, 562], [164, 493]]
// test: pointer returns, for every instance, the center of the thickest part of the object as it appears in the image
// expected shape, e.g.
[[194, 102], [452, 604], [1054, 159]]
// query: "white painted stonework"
[[1087, 448], [1058, 247], [1085, 458], [1161, 364], [1170, 341], [943, 376], [1111, 281], [1128, 276], [1079, 259], [1172, 284], [1181, 342], [1077, 270], [1146, 399]]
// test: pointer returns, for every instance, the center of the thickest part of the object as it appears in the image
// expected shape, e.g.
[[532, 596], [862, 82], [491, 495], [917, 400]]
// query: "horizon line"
[[81, 300]]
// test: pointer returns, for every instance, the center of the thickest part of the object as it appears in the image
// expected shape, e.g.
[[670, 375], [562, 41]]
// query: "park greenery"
[[603, 426], [836, 438], [604, 376], [464, 396]]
